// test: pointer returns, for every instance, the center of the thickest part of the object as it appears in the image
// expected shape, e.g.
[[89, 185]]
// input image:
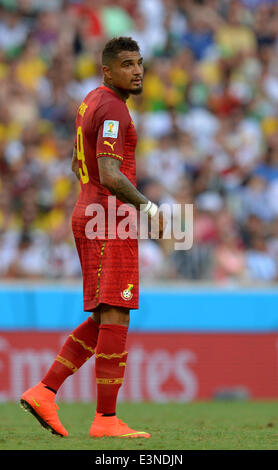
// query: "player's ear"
[[106, 70]]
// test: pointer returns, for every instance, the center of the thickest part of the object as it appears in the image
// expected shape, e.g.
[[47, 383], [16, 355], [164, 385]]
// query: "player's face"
[[126, 72]]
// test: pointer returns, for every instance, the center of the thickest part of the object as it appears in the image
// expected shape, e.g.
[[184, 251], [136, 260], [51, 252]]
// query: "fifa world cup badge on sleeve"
[[110, 129]]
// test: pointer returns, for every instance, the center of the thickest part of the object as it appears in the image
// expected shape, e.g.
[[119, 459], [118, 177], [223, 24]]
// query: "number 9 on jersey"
[[84, 175]]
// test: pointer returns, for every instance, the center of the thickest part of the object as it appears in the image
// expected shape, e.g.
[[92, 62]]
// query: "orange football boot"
[[40, 401], [111, 426]]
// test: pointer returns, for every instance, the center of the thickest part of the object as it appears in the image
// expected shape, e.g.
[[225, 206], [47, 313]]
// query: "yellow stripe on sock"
[[111, 356], [66, 363], [109, 381], [82, 343]]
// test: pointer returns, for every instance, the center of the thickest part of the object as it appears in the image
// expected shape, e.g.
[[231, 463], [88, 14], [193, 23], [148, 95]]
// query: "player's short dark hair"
[[116, 45]]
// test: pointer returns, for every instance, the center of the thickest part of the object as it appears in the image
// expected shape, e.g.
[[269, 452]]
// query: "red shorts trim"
[[110, 272]]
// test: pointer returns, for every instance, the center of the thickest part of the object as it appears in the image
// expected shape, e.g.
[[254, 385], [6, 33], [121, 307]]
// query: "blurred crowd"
[[207, 125]]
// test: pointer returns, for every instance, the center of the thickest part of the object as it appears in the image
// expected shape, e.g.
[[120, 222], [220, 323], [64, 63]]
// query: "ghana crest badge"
[[127, 294]]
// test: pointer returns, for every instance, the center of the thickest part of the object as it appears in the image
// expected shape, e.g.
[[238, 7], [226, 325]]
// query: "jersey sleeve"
[[112, 128]]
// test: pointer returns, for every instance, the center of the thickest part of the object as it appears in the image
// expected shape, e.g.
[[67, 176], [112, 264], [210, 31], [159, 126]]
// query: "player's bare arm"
[[119, 185], [74, 163]]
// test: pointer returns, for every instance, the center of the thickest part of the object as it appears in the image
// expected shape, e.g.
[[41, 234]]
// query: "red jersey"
[[104, 128]]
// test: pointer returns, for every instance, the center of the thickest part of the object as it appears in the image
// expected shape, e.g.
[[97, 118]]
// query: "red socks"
[[111, 359], [110, 354], [78, 348]]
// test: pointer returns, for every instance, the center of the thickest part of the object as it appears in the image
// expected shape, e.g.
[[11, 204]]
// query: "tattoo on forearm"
[[118, 184], [126, 192]]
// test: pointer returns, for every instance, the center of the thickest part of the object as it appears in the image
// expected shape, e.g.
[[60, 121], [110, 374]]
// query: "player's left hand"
[[158, 224]]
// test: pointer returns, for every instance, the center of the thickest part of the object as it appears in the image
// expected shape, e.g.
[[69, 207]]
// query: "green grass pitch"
[[226, 425]]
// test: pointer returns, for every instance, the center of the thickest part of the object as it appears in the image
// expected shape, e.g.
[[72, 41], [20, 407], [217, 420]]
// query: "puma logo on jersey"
[[110, 145]]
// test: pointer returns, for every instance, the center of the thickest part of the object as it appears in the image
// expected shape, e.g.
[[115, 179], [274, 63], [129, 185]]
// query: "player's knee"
[[114, 316]]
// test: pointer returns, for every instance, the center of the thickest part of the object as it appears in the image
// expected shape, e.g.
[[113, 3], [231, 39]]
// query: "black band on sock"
[[111, 414], [51, 389]]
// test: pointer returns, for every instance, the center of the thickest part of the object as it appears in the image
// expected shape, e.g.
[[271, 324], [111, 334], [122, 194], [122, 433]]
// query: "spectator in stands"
[[260, 264], [207, 126]]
